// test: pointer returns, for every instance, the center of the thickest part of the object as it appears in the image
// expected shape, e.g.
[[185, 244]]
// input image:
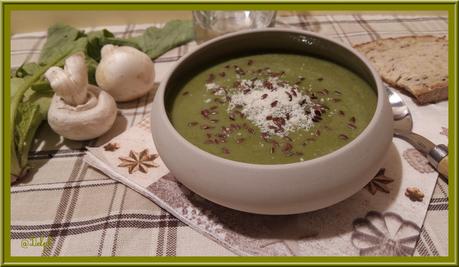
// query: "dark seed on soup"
[[211, 78], [316, 119], [279, 121], [286, 147], [264, 136], [279, 129], [352, 126], [205, 113], [290, 97], [206, 127]]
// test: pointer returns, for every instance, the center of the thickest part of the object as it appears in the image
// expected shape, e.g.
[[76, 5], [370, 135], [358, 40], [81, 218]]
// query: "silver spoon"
[[437, 155]]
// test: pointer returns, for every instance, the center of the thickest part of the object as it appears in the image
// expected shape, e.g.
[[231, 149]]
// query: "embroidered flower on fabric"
[[417, 161], [385, 234], [444, 131]]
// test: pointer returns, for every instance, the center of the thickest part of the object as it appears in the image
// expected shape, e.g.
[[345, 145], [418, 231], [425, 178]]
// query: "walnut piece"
[[414, 193]]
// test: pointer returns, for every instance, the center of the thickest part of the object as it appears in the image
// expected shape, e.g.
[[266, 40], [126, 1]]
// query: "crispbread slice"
[[418, 64]]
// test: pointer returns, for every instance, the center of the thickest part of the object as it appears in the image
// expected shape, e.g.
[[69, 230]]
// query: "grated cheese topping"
[[272, 104]]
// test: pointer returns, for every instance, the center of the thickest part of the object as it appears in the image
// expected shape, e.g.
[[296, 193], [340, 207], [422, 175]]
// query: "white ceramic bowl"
[[284, 188]]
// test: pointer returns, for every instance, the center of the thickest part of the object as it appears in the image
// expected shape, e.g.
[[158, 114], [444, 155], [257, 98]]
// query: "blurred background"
[[30, 21]]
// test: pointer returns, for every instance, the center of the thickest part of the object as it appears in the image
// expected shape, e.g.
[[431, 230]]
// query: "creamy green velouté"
[[272, 108]]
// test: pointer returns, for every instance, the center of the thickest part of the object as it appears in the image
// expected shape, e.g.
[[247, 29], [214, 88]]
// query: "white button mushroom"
[[78, 110], [125, 72]]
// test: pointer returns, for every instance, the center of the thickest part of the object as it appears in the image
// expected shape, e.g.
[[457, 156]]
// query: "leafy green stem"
[[18, 163]]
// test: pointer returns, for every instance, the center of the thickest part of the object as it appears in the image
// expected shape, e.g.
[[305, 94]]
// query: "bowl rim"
[[381, 99]]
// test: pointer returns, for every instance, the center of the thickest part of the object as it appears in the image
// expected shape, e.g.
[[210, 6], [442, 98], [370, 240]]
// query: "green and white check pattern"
[[86, 213]]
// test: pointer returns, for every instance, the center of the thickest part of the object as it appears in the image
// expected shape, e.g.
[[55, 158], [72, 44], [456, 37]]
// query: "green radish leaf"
[[156, 41]]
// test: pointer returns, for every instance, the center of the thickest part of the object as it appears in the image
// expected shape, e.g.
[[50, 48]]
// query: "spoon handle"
[[443, 167], [437, 155]]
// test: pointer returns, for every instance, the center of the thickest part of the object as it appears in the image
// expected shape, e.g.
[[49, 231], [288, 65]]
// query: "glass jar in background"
[[209, 24]]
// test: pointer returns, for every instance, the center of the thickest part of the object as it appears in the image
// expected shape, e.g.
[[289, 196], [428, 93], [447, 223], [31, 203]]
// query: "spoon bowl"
[[437, 155]]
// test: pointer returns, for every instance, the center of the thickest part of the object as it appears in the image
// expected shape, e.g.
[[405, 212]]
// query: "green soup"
[[272, 108]]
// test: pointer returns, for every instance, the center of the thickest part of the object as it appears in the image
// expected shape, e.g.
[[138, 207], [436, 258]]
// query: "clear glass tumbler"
[[209, 24]]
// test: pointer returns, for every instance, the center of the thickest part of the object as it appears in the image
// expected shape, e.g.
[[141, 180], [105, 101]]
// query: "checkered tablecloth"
[[72, 209]]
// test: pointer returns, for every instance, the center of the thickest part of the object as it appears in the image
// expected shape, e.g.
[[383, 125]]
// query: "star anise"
[[379, 182], [111, 146], [138, 161]]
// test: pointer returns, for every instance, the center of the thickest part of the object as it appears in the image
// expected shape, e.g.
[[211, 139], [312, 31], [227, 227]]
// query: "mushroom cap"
[[86, 121], [125, 72]]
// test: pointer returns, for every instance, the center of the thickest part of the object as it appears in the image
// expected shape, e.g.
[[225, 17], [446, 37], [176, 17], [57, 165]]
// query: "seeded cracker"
[[417, 64]]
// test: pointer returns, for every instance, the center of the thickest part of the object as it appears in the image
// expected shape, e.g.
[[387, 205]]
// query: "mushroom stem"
[[107, 50], [71, 82]]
